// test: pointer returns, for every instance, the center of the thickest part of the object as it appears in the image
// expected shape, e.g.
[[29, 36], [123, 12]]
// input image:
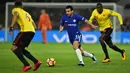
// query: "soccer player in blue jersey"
[[71, 21]]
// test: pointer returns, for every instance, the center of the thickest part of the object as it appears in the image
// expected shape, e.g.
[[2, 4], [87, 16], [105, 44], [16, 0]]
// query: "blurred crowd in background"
[[55, 14]]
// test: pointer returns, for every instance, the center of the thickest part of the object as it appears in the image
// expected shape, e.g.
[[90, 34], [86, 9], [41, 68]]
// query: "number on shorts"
[[78, 37]]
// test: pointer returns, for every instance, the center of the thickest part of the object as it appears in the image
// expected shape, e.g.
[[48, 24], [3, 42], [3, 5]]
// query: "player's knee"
[[25, 51], [75, 45], [13, 48], [101, 39], [75, 48]]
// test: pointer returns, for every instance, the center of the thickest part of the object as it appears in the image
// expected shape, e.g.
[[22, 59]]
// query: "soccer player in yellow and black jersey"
[[24, 37], [102, 17]]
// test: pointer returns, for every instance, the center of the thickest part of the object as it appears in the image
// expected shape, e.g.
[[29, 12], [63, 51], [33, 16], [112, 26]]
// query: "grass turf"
[[66, 59]]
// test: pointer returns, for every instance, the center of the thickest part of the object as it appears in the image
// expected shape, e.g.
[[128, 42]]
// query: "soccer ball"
[[51, 62]]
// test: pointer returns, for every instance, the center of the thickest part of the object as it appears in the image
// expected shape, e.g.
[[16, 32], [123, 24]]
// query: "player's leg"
[[17, 50], [44, 30], [87, 54], [27, 41], [114, 47], [29, 56], [104, 48], [78, 52], [32, 58], [111, 45]]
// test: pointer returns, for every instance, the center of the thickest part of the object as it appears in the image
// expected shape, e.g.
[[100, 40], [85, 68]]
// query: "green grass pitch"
[[66, 59]]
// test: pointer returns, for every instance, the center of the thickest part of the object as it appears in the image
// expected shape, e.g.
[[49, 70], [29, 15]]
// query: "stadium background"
[[55, 15]]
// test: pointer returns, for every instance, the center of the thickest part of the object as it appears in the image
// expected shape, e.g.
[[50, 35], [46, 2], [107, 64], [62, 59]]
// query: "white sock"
[[87, 54], [78, 52]]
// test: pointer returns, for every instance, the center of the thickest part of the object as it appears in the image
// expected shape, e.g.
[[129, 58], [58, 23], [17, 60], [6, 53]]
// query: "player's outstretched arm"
[[113, 13], [61, 28], [93, 26], [13, 22]]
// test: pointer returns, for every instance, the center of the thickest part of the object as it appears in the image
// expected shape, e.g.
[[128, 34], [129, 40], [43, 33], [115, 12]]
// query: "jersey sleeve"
[[92, 16], [62, 22], [14, 10], [113, 13], [30, 17], [81, 18]]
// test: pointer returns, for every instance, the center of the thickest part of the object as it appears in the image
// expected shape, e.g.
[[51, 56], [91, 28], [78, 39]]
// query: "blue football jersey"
[[72, 23]]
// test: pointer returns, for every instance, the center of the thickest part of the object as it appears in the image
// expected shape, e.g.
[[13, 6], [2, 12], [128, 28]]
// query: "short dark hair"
[[99, 4], [18, 4], [69, 6]]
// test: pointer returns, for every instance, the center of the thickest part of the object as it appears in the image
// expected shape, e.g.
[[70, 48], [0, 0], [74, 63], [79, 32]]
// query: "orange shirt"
[[44, 21]]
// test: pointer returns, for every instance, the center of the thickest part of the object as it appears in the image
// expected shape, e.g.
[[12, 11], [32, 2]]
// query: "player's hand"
[[11, 30], [93, 26]]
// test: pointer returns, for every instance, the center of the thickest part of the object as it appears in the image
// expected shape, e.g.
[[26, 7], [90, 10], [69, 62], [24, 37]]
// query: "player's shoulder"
[[94, 11], [15, 9], [75, 14], [64, 16]]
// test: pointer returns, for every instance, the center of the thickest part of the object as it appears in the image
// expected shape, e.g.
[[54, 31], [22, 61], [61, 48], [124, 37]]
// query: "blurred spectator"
[[126, 26], [44, 24], [86, 28], [1, 27]]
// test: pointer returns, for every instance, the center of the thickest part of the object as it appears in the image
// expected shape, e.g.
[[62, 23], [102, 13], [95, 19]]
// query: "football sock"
[[78, 52], [29, 56], [20, 56], [104, 49], [87, 54]]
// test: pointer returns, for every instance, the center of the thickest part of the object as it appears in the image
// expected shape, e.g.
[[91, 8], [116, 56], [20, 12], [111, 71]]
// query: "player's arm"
[[113, 13], [86, 21], [93, 26], [14, 17], [61, 27], [92, 17], [49, 23], [34, 25], [91, 20]]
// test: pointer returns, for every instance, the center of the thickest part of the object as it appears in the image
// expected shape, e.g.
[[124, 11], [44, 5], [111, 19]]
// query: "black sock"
[[20, 56], [93, 59], [28, 55]]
